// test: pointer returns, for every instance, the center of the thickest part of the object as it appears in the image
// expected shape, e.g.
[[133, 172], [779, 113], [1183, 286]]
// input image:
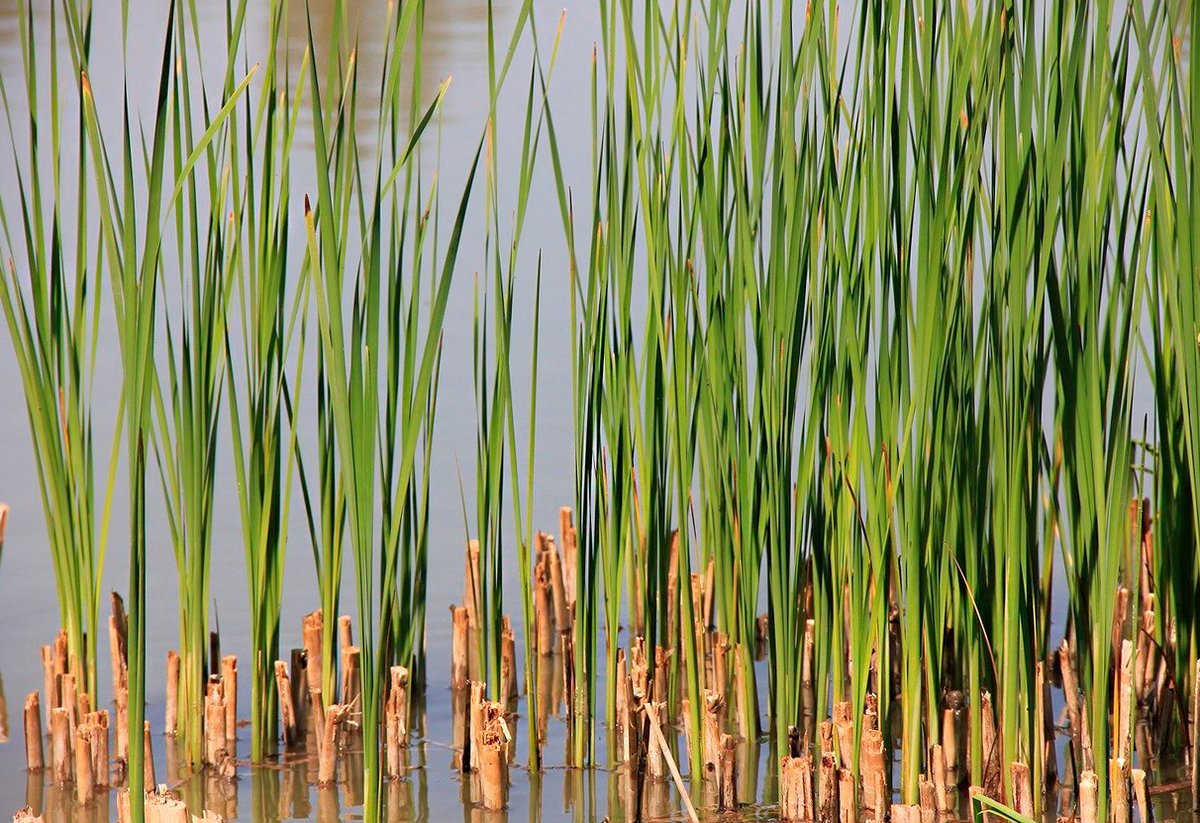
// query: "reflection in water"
[[35, 795], [453, 33], [3, 714], [288, 790]]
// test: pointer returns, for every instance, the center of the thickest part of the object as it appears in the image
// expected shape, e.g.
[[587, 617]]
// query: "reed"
[[1170, 113], [134, 268], [271, 297], [51, 293], [131, 231], [1093, 299], [187, 399], [380, 349], [497, 455], [858, 302], [854, 308]]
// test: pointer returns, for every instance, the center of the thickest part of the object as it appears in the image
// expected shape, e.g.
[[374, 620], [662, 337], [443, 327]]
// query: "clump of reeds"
[[271, 294], [50, 292], [380, 348]]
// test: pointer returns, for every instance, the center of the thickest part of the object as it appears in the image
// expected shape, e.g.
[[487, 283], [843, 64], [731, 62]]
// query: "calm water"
[[455, 45]]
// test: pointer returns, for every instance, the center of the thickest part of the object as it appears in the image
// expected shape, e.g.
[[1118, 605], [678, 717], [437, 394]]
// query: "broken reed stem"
[[795, 788], [392, 743], [312, 629], [165, 808], [1022, 788], [951, 774], [287, 708], [843, 725], [875, 796], [335, 715], [1118, 810], [990, 779], [60, 746], [49, 681], [558, 588], [475, 722], [847, 796], [937, 769], [1070, 685], [543, 607], [493, 771], [67, 686], [657, 734], [118, 640], [714, 717], [171, 718], [1145, 815], [298, 679], [229, 686], [1087, 797], [396, 721], [351, 688], [398, 700], [85, 786], [1045, 726], [122, 728], [1121, 723], [345, 632], [827, 788], [508, 661], [569, 553], [626, 739], [100, 725], [720, 651], [34, 754], [490, 745], [727, 793], [460, 642], [148, 756], [656, 764], [806, 658], [472, 598], [928, 800], [214, 726], [1196, 737]]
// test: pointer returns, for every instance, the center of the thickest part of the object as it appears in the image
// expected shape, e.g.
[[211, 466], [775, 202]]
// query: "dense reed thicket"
[[883, 342], [889, 294]]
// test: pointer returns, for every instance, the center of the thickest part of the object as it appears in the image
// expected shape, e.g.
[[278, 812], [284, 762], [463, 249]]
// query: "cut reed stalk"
[[172, 697], [147, 756], [60, 746], [1140, 795], [1088, 802], [287, 710], [1196, 736], [85, 787], [34, 753], [381, 406], [335, 716], [229, 687]]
